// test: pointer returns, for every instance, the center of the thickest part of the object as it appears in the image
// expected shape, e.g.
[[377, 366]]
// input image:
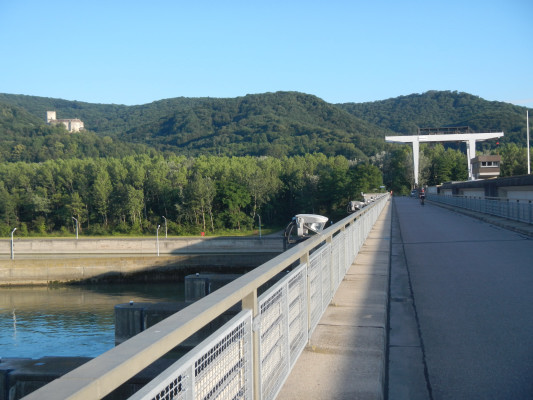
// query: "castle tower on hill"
[[72, 125]]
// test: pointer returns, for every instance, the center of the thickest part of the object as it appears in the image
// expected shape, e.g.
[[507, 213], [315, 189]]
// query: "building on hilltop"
[[72, 125]]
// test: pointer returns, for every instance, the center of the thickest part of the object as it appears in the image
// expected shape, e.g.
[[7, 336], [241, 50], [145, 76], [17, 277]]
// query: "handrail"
[[513, 209], [502, 199], [103, 374]]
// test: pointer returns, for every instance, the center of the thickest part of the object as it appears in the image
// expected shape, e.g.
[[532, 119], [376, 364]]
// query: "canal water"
[[69, 320]]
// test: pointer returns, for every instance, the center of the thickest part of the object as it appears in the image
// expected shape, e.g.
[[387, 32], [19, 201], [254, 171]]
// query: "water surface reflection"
[[69, 320]]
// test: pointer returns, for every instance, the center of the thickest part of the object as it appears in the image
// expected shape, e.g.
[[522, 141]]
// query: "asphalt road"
[[471, 291]]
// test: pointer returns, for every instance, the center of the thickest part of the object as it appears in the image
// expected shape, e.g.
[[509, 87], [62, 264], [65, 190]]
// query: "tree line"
[[211, 194]]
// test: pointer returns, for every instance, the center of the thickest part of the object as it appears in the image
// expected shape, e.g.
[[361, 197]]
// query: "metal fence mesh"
[[326, 277], [273, 341], [218, 368], [514, 210], [314, 276], [297, 312]]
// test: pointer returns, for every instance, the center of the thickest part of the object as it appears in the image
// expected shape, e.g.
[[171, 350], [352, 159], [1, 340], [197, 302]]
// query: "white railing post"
[[305, 260], [250, 303]]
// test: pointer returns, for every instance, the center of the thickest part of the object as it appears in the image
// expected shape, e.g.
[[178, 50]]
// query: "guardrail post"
[[250, 303]]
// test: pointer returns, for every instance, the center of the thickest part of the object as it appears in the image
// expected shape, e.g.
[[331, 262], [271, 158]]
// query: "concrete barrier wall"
[[43, 271], [44, 261], [182, 245]]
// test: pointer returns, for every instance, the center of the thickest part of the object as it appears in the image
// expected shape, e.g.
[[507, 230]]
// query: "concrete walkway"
[[346, 355]]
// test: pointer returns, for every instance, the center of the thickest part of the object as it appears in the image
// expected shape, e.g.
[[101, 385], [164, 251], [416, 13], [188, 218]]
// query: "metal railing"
[[516, 210], [251, 356]]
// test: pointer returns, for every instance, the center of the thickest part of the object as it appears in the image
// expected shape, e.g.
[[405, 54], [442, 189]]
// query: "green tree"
[[101, 191], [514, 160], [398, 170], [365, 178], [235, 198], [133, 203], [199, 194], [7, 206], [77, 208]]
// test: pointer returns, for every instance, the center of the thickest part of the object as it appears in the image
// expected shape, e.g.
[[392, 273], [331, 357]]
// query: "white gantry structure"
[[469, 138]]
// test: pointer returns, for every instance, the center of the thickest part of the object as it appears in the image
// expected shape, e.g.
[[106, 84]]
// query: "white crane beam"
[[469, 138]]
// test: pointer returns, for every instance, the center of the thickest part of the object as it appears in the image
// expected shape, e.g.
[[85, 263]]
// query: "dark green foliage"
[[276, 124], [27, 138], [131, 195]]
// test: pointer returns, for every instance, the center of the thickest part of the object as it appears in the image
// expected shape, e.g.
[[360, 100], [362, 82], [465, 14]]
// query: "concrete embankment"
[[44, 261]]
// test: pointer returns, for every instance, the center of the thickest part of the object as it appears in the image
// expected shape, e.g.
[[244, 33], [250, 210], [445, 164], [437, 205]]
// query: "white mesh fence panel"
[[298, 331], [335, 278], [314, 276], [326, 277], [274, 340], [218, 368], [283, 329], [342, 258], [348, 246]]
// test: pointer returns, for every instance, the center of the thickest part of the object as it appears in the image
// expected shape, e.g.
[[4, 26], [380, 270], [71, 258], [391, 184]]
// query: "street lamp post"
[[157, 239], [12, 247], [76, 227], [165, 226]]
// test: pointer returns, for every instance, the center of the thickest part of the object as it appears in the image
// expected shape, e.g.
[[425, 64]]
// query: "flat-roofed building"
[[486, 167]]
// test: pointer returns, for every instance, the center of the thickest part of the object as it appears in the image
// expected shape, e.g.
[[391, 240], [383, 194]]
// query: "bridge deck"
[[461, 306]]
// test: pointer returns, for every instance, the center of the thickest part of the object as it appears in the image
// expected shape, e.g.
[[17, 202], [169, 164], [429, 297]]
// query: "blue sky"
[[136, 52]]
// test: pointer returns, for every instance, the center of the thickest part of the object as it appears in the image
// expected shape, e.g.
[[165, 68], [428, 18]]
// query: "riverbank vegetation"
[[134, 194]]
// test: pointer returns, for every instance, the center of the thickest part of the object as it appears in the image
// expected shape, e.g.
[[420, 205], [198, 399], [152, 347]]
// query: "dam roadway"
[[461, 307]]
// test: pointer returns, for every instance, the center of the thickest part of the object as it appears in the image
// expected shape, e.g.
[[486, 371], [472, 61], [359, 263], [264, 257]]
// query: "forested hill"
[[277, 124], [435, 109], [25, 137]]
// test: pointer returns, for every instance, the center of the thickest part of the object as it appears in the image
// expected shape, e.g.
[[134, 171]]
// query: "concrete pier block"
[[200, 285], [21, 376], [132, 318]]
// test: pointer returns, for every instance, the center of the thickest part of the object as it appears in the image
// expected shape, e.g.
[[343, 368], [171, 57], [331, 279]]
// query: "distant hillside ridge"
[[275, 124], [434, 109]]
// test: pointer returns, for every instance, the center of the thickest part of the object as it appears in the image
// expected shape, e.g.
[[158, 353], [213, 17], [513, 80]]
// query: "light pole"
[[528, 152], [157, 239], [12, 249], [76, 227], [259, 225], [165, 226]]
